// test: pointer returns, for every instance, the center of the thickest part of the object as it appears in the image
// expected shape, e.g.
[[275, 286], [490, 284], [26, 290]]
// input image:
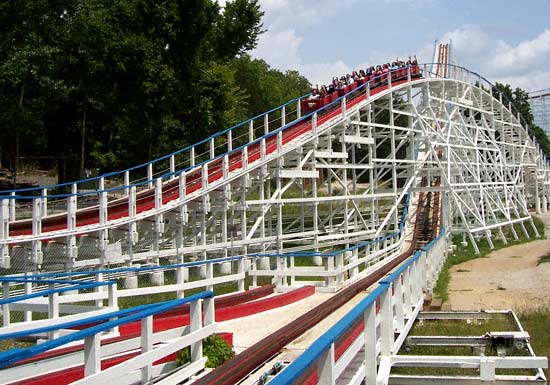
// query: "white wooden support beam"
[[283, 116], [150, 175], [72, 249], [27, 289], [12, 203], [103, 234], [159, 218], [147, 346], [36, 231], [208, 309], [172, 166], [343, 106], [296, 173], [204, 176], [92, 355], [4, 233], [371, 362], [180, 280], [209, 276], [192, 156], [339, 268], [251, 131], [279, 141], [262, 149], [53, 310], [245, 158], [212, 148], [331, 155], [298, 109], [314, 123], [386, 323], [126, 182], [132, 211], [44, 202], [407, 291], [398, 302], [325, 367], [357, 139], [229, 140], [225, 166], [196, 324], [241, 271], [266, 124]]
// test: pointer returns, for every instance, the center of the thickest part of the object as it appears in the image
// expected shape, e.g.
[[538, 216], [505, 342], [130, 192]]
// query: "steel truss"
[[341, 182]]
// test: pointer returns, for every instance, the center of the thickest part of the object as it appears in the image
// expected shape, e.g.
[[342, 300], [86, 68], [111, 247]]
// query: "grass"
[[497, 322], [467, 253], [536, 323]]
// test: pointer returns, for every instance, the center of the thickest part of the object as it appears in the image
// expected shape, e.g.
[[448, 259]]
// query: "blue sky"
[[506, 41]]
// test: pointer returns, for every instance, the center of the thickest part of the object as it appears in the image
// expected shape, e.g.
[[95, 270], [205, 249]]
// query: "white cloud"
[[289, 21], [527, 54], [530, 81], [284, 14], [280, 46], [521, 65]]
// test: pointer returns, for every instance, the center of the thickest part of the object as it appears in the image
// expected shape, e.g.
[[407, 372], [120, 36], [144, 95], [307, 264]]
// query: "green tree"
[[121, 82], [520, 99], [267, 87]]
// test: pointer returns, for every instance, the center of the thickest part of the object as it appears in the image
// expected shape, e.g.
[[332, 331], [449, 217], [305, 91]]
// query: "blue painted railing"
[[310, 356], [12, 356]]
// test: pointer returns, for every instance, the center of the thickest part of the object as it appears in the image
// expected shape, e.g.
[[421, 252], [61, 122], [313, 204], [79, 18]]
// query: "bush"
[[215, 348]]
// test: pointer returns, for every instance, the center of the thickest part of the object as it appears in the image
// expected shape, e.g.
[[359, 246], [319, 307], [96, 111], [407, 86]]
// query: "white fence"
[[145, 350]]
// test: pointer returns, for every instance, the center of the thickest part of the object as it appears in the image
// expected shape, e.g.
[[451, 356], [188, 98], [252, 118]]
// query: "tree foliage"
[[113, 83], [520, 99]]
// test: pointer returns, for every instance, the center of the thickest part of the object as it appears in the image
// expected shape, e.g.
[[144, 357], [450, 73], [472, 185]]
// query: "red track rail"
[[170, 190], [241, 365], [230, 307]]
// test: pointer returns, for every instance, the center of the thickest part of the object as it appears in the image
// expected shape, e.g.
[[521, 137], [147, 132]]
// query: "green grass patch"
[[467, 253], [536, 323], [496, 323]]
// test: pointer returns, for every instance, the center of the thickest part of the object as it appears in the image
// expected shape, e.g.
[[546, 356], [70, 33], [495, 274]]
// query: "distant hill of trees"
[[111, 84]]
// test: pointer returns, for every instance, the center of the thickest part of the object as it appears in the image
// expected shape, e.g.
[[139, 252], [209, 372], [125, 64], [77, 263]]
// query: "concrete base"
[[201, 271], [131, 282], [185, 274], [157, 278], [225, 268], [263, 263]]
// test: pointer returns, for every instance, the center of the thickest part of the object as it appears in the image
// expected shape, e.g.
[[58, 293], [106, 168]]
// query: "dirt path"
[[506, 278]]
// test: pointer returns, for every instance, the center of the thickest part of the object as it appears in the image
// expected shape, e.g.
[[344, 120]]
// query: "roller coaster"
[[361, 191]]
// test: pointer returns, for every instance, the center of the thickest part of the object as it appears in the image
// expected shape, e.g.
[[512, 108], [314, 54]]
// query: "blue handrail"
[[164, 157], [371, 81], [84, 286], [12, 356], [305, 361]]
